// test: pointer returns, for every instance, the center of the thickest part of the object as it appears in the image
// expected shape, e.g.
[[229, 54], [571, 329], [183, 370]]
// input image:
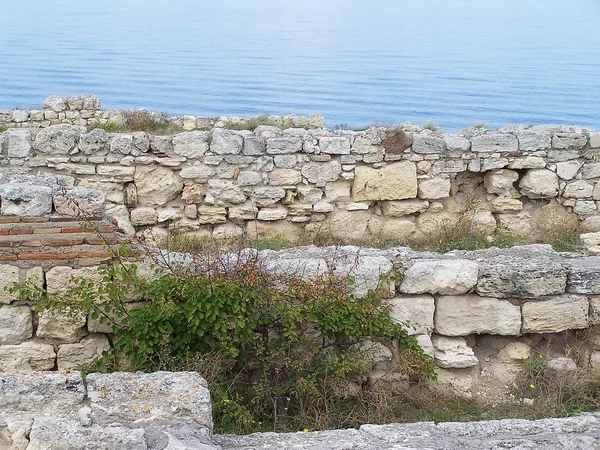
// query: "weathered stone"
[[227, 231], [270, 213], [15, 324], [120, 173], [8, 275], [590, 170], [334, 145], [249, 178], [245, 211], [285, 177], [143, 216], [78, 201], [578, 189], [18, 143], [471, 314], [528, 162], [128, 399], [415, 312], [58, 139], [506, 205], [198, 171], [19, 115], [396, 142], [345, 225], [226, 142], [585, 208], [556, 314], [539, 183], [61, 327], [447, 277], [520, 272], [283, 145], [500, 181], [434, 188], [211, 215], [322, 173], [25, 200], [156, 185], [253, 146], [396, 181], [120, 213], [55, 103], [583, 275], [426, 144], [494, 142], [452, 352], [569, 140], [81, 354], [403, 207], [29, 355], [193, 144], [121, 144], [567, 170], [227, 191], [456, 143], [265, 196], [533, 141]]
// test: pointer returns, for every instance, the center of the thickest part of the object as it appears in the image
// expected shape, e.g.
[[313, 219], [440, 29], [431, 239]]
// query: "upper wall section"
[[377, 183]]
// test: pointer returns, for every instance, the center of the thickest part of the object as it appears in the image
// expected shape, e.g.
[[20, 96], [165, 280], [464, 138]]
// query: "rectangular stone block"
[[18, 143], [415, 312], [494, 142], [583, 275], [447, 277], [556, 314], [396, 181]]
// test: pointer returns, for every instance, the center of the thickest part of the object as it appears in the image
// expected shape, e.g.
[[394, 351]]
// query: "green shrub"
[[432, 126]]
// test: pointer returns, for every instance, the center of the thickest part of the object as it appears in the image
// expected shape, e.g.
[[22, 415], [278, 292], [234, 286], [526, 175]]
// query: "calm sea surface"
[[454, 62]]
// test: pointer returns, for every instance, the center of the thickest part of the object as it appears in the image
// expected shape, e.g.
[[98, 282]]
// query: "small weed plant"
[[140, 120], [431, 126]]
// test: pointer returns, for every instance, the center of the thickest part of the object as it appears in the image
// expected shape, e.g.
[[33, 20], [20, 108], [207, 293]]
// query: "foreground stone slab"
[[556, 314], [448, 277]]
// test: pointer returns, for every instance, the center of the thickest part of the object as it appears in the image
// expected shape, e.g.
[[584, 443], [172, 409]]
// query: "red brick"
[[63, 243], [28, 256], [93, 254], [98, 241], [21, 231], [8, 257], [64, 219], [66, 255], [10, 219], [9, 244], [73, 230], [4, 232], [34, 219], [106, 229]]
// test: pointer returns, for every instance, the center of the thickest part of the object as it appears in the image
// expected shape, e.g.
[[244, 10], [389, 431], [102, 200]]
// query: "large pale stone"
[[193, 144], [494, 142], [434, 188], [61, 327], [78, 201], [264, 196], [569, 140], [590, 170], [447, 277], [58, 278], [270, 213], [121, 144], [211, 215], [120, 173], [568, 169], [94, 143], [584, 275], [500, 181], [285, 177], [504, 204], [18, 143], [120, 213], [456, 143], [226, 142], [395, 181], [533, 141], [156, 185], [334, 145], [578, 189], [245, 211], [401, 208], [415, 312], [81, 354], [556, 314], [519, 223], [427, 144], [227, 191], [320, 173], [249, 178], [113, 192], [143, 216], [8, 275], [15, 324], [338, 191], [29, 355], [392, 229], [58, 139], [528, 162], [472, 314], [25, 200], [348, 225], [452, 352], [539, 183], [55, 103], [283, 145]]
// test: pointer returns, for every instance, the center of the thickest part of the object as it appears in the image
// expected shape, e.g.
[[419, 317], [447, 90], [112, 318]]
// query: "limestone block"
[[8, 275], [504, 204], [568, 169], [539, 183], [78, 201], [485, 222], [143, 216], [527, 162], [320, 173], [156, 185], [192, 144], [29, 355], [493, 164], [121, 144], [500, 181], [36, 276], [264, 196], [249, 178], [556, 314], [18, 143], [245, 211], [61, 327], [452, 352], [309, 194], [227, 231], [272, 213], [569, 140], [494, 142], [253, 146], [591, 242], [322, 207], [415, 312], [562, 366], [425, 343], [366, 270], [226, 142], [58, 139], [591, 170], [431, 222], [562, 155], [447, 277], [193, 193], [533, 141], [519, 223], [578, 189], [58, 278], [285, 177], [14, 433], [339, 191], [348, 225], [121, 173], [471, 314], [15, 324], [334, 145], [81, 354], [55, 103], [161, 144], [402, 208], [211, 215], [120, 213], [583, 275], [392, 229], [433, 188], [19, 115], [283, 145], [426, 144], [395, 181], [455, 143], [25, 200], [590, 224], [129, 399], [227, 191], [585, 208]]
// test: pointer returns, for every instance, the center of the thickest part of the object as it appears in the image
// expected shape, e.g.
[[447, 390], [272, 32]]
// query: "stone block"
[[402, 208], [539, 183], [494, 143], [321, 173], [556, 314], [18, 143], [334, 145], [285, 177], [143, 216], [569, 140], [58, 139], [55, 103], [254, 146], [591, 242], [67, 328], [471, 314], [455, 143], [82, 354], [505, 204], [249, 178], [452, 352], [78, 201], [500, 181], [226, 142], [29, 355], [415, 312], [156, 185], [211, 215], [533, 141], [568, 169], [433, 188], [120, 173], [594, 140], [590, 170], [446, 277], [396, 181], [272, 213], [8, 275], [25, 200], [15, 324], [578, 189], [527, 162], [426, 144], [193, 144], [283, 145], [583, 275]]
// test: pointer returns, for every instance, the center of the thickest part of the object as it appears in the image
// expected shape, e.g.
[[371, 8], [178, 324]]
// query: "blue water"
[[454, 62]]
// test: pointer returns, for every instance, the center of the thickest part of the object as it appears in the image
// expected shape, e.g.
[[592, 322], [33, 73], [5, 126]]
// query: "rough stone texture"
[[539, 183], [334, 145], [193, 144], [434, 188], [78, 201], [58, 139], [226, 142], [447, 277], [61, 327], [472, 314], [8, 275], [144, 216], [82, 354], [58, 278], [29, 355], [583, 275], [322, 173], [452, 352], [556, 314], [495, 142], [396, 181], [156, 185], [18, 143], [415, 312], [500, 181], [425, 144], [25, 200], [404, 207], [15, 324]]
